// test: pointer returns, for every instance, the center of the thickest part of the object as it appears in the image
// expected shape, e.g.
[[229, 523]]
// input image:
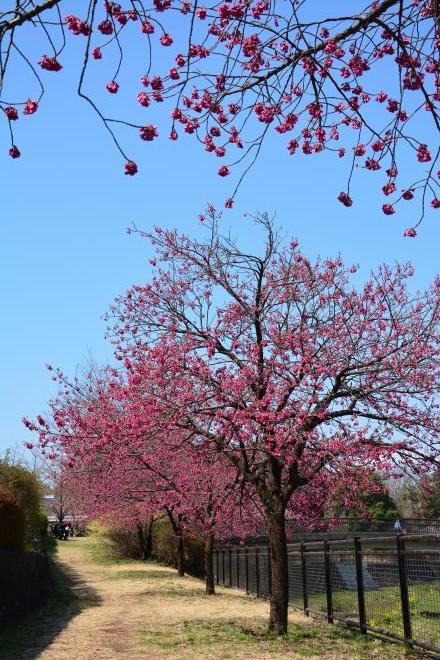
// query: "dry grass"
[[137, 610]]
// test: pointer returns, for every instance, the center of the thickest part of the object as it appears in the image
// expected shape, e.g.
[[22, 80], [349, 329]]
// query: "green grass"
[[384, 609], [229, 640], [101, 551], [50, 543], [130, 575]]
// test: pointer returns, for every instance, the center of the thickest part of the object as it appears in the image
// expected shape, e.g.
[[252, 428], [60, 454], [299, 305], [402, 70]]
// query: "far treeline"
[[21, 518]]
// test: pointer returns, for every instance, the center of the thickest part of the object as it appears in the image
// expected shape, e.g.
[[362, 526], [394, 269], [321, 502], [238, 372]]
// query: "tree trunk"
[[209, 566], [176, 525], [148, 543], [145, 539], [141, 538], [280, 580], [180, 554]]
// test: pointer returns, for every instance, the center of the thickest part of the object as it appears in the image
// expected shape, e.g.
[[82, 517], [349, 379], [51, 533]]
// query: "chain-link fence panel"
[[383, 601], [343, 585], [423, 575], [296, 595]]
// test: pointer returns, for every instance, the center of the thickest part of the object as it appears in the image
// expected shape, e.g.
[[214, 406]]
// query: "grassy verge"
[[101, 551], [231, 640]]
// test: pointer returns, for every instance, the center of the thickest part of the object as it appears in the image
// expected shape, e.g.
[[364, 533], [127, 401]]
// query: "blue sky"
[[66, 204]]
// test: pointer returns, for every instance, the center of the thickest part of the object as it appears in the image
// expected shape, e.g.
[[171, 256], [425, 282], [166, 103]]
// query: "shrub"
[[12, 521], [27, 491], [126, 545], [43, 523], [165, 548], [96, 528]]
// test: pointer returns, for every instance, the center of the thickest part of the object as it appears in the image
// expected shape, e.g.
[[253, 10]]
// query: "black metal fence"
[[349, 527], [363, 527], [387, 586]]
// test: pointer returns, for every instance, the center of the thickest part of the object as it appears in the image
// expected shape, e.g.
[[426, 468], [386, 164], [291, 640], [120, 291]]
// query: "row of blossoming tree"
[[251, 387], [361, 82]]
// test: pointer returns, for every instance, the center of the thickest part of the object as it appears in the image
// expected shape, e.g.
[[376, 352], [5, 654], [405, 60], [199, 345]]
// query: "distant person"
[[398, 527]]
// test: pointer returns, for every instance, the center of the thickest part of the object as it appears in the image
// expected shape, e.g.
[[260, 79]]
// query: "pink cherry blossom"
[[14, 152], [112, 87], [130, 168], [11, 113], [166, 40], [143, 99], [50, 63], [388, 209], [30, 107], [148, 133], [106, 27], [345, 199]]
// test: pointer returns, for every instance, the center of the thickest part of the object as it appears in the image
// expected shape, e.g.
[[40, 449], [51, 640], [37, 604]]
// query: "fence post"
[[328, 582], [216, 567], [404, 596], [304, 579], [238, 569], [246, 568], [223, 566], [230, 567], [269, 569], [257, 570], [360, 585]]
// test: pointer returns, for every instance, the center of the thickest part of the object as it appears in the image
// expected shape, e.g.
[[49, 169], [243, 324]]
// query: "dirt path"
[[137, 610]]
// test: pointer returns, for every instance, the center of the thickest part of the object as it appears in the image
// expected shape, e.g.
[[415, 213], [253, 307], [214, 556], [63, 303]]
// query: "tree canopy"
[[359, 82]]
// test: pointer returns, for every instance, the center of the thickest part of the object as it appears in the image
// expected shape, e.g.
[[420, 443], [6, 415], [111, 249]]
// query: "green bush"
[[164, 547], [96, 528], [12, 521], [125, 544], [27, 491], [43, 523]]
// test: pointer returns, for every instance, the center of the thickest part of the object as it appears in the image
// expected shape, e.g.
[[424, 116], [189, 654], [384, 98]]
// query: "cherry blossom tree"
[[301, 382], [284, 368], [361, 82], [126, 469]]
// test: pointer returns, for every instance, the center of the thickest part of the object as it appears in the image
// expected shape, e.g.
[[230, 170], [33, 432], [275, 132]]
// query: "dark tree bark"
[[180, 554], [141, 539], [145, 535], [280, 574], [209, 566], [148, 548], [176, 524]]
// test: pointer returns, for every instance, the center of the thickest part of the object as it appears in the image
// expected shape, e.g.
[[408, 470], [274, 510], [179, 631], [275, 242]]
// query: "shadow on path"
[[71, 595]]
